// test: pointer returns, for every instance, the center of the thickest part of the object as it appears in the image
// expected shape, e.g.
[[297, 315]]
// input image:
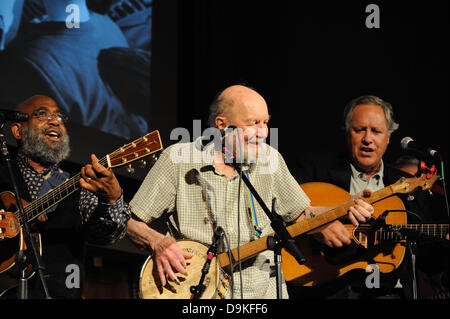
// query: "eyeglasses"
[[46, 115]]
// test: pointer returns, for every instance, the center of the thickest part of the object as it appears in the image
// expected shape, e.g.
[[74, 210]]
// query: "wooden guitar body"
[[318, 268], [12, 241]]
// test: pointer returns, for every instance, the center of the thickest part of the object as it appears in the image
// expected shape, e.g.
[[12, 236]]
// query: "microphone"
[[227, 129], [219, 232], [14, 116], [407, 143], [202, 181], [207, 188], [212, 134]]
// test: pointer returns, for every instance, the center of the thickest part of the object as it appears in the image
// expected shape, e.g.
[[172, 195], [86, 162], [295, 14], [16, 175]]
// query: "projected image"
[[91, 56]]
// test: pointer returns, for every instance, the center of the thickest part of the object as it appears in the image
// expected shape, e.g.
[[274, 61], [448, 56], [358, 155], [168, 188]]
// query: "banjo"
[[216, 281]]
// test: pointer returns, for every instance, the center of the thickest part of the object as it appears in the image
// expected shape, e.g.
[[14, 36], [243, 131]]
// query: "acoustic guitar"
[[11, 233], [382, 246], [150, 285]]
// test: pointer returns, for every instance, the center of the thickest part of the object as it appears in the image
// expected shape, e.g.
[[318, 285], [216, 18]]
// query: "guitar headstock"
[[142, 147], [409, 185]]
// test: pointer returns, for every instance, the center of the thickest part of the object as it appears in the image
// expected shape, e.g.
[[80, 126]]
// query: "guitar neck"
[[139, 148], [432, 230], [254, 247], [53, 197]]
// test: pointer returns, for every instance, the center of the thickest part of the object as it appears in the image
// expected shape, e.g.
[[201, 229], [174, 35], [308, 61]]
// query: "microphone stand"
[[282, 238], [380, 222], [198, 290], [412, 247], [411, 238], [21, 257]]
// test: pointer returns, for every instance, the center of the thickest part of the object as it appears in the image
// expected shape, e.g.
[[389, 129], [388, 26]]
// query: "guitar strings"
[[70, 185], [67, 187], [438, 230], [366, 227]]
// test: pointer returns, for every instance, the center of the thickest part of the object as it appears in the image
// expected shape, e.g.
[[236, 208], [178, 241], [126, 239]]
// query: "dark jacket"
[[62, 240]]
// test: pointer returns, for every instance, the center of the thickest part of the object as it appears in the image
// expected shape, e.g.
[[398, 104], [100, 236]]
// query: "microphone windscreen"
[[405, 141]]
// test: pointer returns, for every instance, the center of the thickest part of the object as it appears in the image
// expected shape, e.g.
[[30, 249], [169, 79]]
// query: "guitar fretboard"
[[53, 197], [252, 248], [143, 146], [433, 230]]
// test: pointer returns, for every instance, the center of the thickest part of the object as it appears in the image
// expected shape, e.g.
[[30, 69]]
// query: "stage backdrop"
[[114, 75], [309, 58]]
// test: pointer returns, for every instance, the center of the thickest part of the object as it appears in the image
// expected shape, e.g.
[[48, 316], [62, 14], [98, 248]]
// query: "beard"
[[34, 146]]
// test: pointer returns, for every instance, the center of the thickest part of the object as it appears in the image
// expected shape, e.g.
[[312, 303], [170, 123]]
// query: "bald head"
[[233, 102], [238, 96], [35, 102], [239, 92]]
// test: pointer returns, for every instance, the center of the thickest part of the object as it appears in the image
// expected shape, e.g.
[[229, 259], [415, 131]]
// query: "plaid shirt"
[[171, 186], [106, 222]]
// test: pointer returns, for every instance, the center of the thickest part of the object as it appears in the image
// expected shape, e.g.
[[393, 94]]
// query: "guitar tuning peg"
[[142, 164], [154, 159], [130, 169]]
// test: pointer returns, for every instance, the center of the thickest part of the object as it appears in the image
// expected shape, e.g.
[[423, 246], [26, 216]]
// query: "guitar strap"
[[51, 180], [252, 210], [39, 184]]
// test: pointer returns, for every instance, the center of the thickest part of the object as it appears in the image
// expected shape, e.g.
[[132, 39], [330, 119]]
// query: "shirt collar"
[[22, 160], [357, 174]]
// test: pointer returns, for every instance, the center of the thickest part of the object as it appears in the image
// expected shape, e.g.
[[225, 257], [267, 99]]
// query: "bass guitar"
[[11, 234]]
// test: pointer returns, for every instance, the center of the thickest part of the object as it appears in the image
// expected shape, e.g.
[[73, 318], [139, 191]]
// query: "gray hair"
[[370, 99]]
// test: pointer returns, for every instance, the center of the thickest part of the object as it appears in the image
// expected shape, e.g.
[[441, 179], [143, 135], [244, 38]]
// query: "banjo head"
[[150, 286]]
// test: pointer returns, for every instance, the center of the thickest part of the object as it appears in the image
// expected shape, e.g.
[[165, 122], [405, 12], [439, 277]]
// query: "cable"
[[239, 212], [230, 257], [239, 233], [415, 214], [445, 188]]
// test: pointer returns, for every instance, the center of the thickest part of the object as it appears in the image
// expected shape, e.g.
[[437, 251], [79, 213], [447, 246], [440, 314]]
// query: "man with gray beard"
[[96, 214], [35, 147]]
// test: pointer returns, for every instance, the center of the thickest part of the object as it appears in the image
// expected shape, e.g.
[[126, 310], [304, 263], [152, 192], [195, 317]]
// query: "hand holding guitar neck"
[[100, 181]]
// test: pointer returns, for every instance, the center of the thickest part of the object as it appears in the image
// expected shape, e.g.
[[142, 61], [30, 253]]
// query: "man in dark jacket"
[[369, 123]]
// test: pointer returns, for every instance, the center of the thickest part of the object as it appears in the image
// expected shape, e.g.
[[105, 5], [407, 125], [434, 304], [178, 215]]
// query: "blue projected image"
[[91, 56]]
